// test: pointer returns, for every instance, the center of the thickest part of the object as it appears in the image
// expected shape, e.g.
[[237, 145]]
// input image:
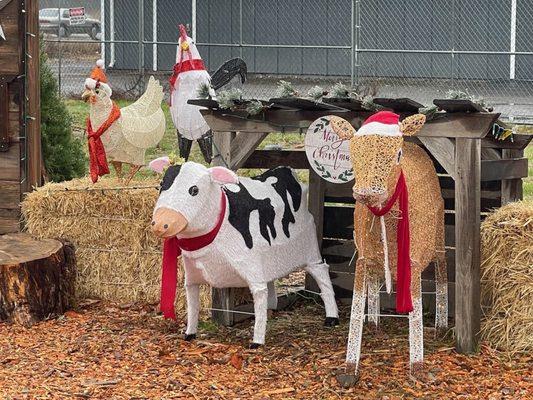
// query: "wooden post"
[[223, 299], [33, 109], [317, 189], [467, 243], [512, 189]]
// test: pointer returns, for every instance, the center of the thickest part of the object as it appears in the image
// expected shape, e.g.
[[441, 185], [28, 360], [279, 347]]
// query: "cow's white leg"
[[373, 299], [193, 310], [260, 294], [416, 328], [320, 272], [357, 316], [272, 296], [441, 286]]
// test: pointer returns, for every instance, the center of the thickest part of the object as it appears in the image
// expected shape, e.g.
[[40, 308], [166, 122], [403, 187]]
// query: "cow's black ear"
[[170, 175]]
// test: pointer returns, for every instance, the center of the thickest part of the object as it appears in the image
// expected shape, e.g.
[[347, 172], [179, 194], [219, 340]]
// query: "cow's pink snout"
[[167, 223]]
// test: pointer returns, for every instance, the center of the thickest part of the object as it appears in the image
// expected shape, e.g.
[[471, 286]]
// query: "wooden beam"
[[520, 142], [443, 149], [33, 132], [223, 299], [512, 189], [10, 194], [243, 146], [496, 170], [488, 153], [223, 122], [459, 125], [317, 188], [9, 220], [273, 158], [467, 244]]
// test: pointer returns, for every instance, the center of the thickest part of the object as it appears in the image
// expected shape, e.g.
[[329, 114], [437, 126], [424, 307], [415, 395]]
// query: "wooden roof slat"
[[400, 105]]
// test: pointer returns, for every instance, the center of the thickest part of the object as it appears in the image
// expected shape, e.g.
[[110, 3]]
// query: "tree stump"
[[36, 278]]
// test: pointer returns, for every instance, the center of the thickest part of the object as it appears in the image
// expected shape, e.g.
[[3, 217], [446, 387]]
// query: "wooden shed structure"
[[20, 144], [476, 173]]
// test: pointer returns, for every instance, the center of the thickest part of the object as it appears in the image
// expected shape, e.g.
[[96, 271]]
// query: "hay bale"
[[118, 258], [506, 277]]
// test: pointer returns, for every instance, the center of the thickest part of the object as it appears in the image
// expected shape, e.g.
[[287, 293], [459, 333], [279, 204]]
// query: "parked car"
[[51, 23]]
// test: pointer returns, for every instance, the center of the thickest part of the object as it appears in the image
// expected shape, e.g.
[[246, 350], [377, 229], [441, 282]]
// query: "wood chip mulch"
[[110, 351]]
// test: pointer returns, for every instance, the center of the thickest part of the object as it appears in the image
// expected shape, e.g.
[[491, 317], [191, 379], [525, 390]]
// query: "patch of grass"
[[79, 111], [207, 326]]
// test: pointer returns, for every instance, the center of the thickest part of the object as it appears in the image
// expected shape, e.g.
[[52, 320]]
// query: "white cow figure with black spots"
[[238, 232]]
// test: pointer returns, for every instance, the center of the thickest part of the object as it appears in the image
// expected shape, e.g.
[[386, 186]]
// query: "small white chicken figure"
[[121, 135], [188, 76]]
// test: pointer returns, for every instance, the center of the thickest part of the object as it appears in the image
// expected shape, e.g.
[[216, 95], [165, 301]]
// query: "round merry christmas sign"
[[328, 154]]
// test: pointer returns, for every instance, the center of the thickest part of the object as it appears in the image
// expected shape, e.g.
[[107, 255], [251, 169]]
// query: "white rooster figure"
[[125, 133], [188, 76]]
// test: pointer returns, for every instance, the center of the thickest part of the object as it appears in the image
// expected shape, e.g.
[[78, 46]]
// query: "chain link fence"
[[419, 49]]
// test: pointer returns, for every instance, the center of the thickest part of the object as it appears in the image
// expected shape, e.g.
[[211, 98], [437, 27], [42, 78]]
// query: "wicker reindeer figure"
[[398, 226]]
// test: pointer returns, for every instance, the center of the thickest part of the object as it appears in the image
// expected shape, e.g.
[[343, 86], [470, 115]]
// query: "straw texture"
[[506, 277], [118, 258]]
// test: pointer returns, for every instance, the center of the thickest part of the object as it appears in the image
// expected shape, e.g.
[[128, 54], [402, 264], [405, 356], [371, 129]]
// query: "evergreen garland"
[[254, 107], [340, 91], [460, 95], [204, 91], [285, 90], [316, 93], [368, 104], [64, 157], [228, 99]]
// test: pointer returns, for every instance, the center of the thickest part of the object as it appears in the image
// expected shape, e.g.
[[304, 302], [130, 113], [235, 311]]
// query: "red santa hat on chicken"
[[98, 79], [187, 59]]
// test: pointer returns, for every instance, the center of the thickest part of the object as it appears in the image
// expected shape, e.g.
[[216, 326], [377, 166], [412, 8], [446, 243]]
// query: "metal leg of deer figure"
[[184, 146], [441, 289], [373, 286], [416, 328], [357, 317], [206, 146]]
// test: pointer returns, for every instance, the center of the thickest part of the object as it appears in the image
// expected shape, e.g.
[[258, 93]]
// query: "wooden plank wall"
[[338, 248], [11, 172]]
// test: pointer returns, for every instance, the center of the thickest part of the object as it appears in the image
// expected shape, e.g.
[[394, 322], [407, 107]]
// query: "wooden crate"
[[476, 173]]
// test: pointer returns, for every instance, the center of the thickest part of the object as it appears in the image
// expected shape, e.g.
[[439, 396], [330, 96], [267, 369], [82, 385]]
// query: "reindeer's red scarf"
[[97, 157], [172, 248], [404, 303]]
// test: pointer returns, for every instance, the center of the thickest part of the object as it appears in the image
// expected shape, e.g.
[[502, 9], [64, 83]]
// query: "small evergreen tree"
[[63, 154]]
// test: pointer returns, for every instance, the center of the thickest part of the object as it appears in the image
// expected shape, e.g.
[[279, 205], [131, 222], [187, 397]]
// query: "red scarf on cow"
[[172, 248], [404, 303], [97, 157]]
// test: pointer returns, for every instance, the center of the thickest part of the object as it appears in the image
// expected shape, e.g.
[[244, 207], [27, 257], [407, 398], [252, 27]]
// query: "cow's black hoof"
[[255, 345], [331, 321], [190, 338], [347, 380]]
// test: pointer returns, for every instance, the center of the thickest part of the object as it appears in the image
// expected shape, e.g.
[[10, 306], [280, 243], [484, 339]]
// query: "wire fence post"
[[59, 47], [240, 29], [140, 4]]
